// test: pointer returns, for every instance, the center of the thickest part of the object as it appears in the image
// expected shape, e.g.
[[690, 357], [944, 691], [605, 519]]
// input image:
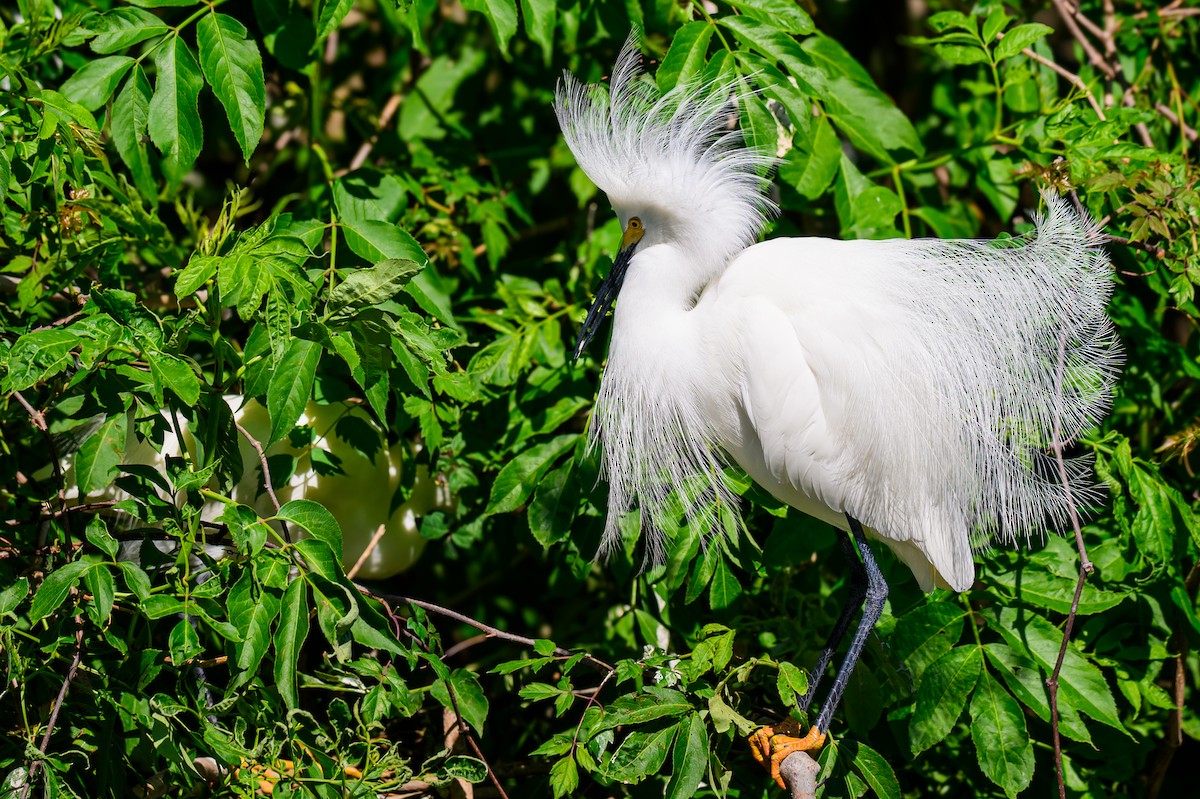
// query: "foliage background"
[[370, 202]]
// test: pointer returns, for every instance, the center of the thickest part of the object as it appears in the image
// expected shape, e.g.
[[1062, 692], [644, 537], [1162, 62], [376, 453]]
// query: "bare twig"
[[262, 459], [490, 631], [1152, 249], [385, 117], [366, 553], [36, 416], [58, 703], [1085, 564], [1071, 77], [1073, 19], [1174, 119]]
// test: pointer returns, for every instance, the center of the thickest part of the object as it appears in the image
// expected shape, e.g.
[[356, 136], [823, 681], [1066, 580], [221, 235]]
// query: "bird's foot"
[[771, 745]]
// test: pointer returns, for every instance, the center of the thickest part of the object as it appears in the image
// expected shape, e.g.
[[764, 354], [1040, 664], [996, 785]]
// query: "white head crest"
[[673, 158]]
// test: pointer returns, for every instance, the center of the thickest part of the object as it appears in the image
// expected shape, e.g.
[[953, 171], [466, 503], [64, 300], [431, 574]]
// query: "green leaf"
[[1027, 683], [502, 14], [54, 589], [1021, 37], [174, 121], [811, 170], [98, 536], [539, 16], [291, 386], [57, 107], [469, 698], [724, 588], [121, 28], [13, 595], [689, 758], [130, 117], [686, 57], [289, 637], [177, 375], [1050, 591], [876, 772], [639, 709], [564, 777], [641, 754], [1080, 682], [332, 14], [100, 584], [942, 695], [786, 15], [316, 519], [39, 355], [98, 458], [94, 83], [183, 642], [233, 67], [865, 209], [961, 54], [1000, 737], [925, 634], [363, 288], [520, 476]]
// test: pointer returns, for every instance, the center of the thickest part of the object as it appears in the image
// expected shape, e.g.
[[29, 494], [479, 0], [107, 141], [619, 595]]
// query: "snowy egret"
[[904, 391]]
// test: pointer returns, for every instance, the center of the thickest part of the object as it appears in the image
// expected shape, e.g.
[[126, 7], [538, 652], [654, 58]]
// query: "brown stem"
[[1071, 77], [366, 553], [58, 703], [262, 460]]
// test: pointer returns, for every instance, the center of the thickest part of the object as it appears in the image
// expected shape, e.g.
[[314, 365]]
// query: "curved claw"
[[767, 745]]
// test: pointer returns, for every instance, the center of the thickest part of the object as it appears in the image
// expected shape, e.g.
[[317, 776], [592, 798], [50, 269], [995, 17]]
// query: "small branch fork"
[[488, 632], [54, 710]]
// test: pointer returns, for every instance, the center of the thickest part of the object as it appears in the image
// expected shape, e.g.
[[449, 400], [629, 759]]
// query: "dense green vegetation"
[[369, 203]]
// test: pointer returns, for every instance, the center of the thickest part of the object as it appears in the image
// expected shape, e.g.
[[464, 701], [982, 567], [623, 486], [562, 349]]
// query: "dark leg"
[[771, 748], [877, 592], [858, 592]]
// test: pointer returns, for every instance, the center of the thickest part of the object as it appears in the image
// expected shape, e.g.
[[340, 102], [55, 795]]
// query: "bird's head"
[[673, 168]]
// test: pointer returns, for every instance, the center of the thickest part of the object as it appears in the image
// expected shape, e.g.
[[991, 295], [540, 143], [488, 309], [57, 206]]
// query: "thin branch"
[[1072, 18], [385, 117], [1152, 249], [262, 459], [39, 419], [1071, 77], [366, 553], [1085, 564], [1174, 119], [490, 631], [58, 703]]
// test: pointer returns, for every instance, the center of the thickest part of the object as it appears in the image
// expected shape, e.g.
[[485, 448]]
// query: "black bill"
[[605, 296]]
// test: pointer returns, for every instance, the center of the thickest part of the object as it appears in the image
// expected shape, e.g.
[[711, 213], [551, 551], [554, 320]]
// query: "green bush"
[[369, 203]]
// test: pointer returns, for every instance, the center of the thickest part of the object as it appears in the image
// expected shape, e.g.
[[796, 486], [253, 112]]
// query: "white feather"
[[915, 385]]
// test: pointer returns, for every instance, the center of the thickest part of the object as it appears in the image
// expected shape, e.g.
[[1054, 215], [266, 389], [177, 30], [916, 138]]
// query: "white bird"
[[906, 391]]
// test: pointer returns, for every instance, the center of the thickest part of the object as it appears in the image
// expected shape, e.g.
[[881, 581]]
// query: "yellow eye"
[[635, 223]]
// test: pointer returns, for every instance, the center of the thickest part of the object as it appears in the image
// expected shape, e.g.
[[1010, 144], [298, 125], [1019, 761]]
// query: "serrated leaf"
[[1000, 736], [130, 117], [370, 286], [233, 67], [469, 698], [289, 637], [641, 754], [942, 695], [689, 758], [54, 589], [502, 14], [564, 777], [316, 519], [686, 57], [174, 121], [121, 28], [925, 634], [874, 770], [291, 386], [95, 82], [724, 588], [517, 480], [97, 460], [1021, 37]]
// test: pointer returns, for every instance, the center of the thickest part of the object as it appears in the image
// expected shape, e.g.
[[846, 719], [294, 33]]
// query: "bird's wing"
[[917, 384]]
